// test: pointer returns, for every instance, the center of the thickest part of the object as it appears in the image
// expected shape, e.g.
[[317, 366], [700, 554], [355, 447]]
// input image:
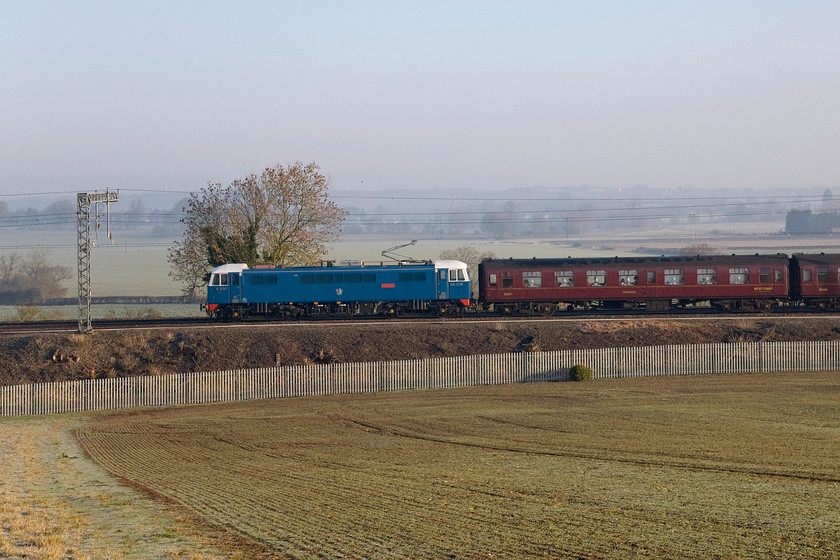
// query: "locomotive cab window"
[[532, 279], [628, 277], [739, 275], [457, 275], [564, 279], [596, 277], [707, 276], [674, 277], [219, 280]]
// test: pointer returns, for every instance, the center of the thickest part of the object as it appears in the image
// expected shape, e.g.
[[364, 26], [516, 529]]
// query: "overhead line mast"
[[84, 200]]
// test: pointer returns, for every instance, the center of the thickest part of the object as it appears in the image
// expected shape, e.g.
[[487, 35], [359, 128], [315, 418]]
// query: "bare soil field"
[[728, 466], [62, 357]]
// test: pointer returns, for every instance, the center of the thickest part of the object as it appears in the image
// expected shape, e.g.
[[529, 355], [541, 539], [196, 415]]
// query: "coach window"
[[507, 280], [674, 277], [596, 277], [806, 275], [764, 275], [822, 275], [707, 276], [651, 278], [739, 275], [779, 275], [564, 278], [493, 280], [628, 277], [532, 279]]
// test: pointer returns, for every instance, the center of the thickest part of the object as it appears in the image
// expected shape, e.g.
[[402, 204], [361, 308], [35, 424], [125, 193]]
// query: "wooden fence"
[[294, 381]]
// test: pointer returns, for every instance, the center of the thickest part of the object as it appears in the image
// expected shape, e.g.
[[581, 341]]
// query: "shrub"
[[580, 373]]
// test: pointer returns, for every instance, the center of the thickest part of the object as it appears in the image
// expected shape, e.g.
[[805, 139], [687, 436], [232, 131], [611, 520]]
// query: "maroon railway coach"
[[815, 280], [728, 282]]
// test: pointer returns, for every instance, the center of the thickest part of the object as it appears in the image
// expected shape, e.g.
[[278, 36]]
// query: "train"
[[536, 286]]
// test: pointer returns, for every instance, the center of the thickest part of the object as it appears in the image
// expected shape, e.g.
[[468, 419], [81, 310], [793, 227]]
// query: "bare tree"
[[282, 216], [31, 278]]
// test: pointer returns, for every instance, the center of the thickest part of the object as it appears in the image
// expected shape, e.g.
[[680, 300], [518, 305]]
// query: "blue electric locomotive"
[[339, 289]]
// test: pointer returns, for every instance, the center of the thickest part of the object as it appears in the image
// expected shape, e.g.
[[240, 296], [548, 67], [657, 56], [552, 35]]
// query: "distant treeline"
[[805, 222]]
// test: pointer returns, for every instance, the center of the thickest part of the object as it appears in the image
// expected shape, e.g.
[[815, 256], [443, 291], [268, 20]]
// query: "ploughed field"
[[727, 466]]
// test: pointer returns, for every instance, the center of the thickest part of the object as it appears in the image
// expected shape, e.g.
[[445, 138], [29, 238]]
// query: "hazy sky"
[[150, 95]]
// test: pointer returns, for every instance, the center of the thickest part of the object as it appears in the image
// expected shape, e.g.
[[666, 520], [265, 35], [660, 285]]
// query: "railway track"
[[35, 327]]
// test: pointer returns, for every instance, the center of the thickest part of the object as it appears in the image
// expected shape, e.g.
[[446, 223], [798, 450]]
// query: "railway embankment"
[[123, 353]]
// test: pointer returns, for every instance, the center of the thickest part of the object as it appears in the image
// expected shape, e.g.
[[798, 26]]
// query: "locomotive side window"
[[707, 276], [419, 276], [405, 277], [628, 277], [739, 275], [532, 279], [564, 278], [764, 275], [353, 278], [307, 279], [234, 279], [370, 277], [822, 274], [596, 277], [674, 277], [493, 280], [256, 280]]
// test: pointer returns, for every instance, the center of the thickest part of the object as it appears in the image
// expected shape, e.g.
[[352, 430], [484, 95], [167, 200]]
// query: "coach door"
[[442, 283]]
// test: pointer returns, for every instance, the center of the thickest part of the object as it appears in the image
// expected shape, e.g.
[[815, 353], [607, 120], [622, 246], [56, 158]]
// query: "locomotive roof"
[[710, 260]]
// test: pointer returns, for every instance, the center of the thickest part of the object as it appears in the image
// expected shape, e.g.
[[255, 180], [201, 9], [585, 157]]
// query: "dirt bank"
[[54, 357]]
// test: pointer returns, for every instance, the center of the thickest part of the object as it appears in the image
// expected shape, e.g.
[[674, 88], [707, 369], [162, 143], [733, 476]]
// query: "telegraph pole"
[[85, 199]]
